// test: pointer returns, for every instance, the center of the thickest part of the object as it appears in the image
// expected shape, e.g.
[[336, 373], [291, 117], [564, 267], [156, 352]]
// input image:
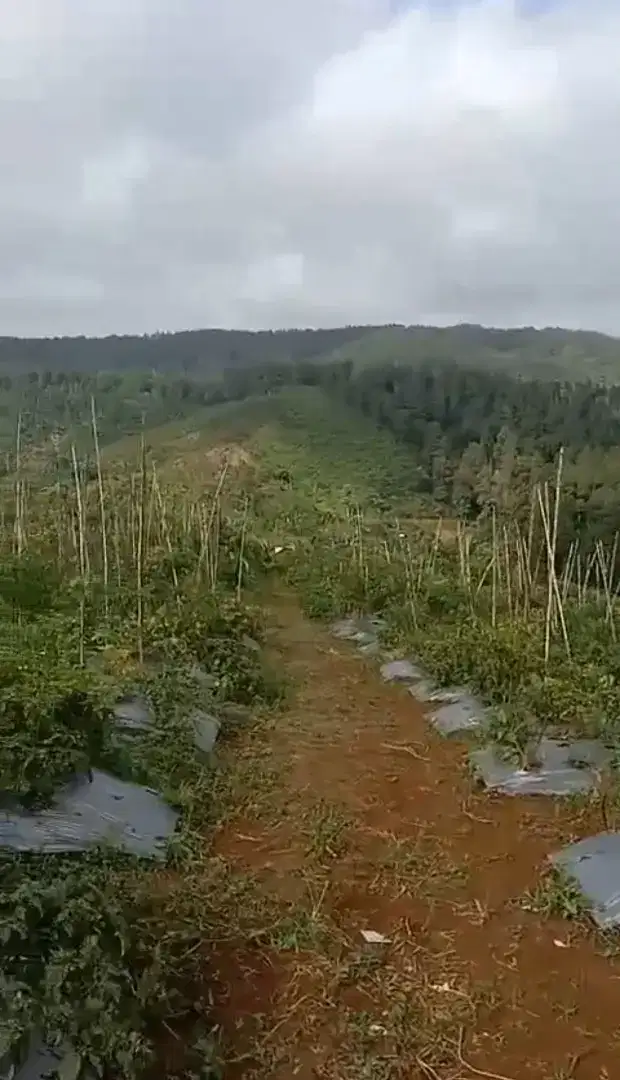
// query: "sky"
[[171, 164]]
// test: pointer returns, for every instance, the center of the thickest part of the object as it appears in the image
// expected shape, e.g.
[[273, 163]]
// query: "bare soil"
[[350, 814]]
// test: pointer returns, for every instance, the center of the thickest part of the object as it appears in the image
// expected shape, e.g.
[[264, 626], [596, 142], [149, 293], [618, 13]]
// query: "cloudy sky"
[[255, 163]]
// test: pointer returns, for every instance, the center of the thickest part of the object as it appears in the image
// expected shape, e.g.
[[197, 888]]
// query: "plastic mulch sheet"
[[401, 671], [428, 692], [100, 809], [456, 709], [424, 691], [371, 624], [564, 768], [594, 864], [132, 713], [41, 1063], [205, 729], [204, 678], [362, 629], [133, 717], [346, 629], [369, 648], [458, 712]]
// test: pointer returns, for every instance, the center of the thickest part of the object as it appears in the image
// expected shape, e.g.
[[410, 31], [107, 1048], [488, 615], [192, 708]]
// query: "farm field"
[[346, 871]]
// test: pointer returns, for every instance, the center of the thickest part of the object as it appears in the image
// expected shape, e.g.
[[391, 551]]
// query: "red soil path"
[[372, 823]]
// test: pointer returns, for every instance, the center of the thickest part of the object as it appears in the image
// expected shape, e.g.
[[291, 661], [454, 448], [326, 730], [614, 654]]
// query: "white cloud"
[[191, 163]]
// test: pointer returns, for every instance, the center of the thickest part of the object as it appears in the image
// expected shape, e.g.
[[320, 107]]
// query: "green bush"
[[85, 959], [222, 635], [53, 715]]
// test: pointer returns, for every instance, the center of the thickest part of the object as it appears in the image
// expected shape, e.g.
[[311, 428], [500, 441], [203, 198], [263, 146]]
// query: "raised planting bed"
[[558, 768], [594, 865]]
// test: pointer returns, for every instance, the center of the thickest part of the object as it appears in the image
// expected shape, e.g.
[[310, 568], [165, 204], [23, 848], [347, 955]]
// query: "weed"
[[418, 867], [328, 826], [556, 895], [299, 931]]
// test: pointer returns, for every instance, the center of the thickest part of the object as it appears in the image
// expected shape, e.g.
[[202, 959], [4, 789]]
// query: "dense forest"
[[481, 440], [195, 352], [547, 353], [552, 353], [49, 383], [478, 439]]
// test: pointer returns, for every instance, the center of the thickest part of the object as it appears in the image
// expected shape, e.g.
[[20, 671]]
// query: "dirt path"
[[357, 817]]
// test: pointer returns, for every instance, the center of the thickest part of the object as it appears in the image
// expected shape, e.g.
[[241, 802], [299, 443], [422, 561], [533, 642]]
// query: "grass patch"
[[419, 867], [327, 827], [556, 896]]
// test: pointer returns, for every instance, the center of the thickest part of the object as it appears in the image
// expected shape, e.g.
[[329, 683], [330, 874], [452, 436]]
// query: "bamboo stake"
[[140, 551], [241, 549], [553, 590], [116, 534], [19, 535], [530, 536], [568, 568], [494, 571], [165, 530], [609, 615], [508, 572], [214, 509], [102, 513], [82, 550]]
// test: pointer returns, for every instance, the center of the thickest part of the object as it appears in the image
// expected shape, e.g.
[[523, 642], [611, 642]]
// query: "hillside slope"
[[194, 352], [306, 446], [552, 353], [548, 353]]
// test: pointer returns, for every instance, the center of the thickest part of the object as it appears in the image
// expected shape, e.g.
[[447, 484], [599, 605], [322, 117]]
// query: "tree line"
[[188, 352], [478, 439], [550, 353], [481, 440]]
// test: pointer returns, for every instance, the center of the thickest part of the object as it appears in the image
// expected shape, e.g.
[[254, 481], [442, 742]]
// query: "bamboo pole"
[[102, 512]]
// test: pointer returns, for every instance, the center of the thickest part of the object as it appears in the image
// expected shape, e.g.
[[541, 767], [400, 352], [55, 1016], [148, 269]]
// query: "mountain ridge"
[[550, 352]]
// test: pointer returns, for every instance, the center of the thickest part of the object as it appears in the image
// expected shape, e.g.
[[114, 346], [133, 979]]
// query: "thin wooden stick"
[[102, 513], [553, 589], [19, 532], [81, 550], [140, 551]]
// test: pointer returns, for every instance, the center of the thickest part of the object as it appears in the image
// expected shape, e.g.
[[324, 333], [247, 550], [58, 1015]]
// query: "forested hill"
[[551, 353], [187, 352]]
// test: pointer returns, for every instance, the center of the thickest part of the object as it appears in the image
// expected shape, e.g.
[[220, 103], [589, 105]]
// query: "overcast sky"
[[254, 163]]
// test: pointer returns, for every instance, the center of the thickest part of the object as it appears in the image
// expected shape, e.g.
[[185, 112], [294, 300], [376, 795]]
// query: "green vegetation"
[[493, 616], [119, 587], [456, 436], [190, 352], [550, 353], [55, 409], [478, 513], [475, 440], [328, 451], [155, 378]]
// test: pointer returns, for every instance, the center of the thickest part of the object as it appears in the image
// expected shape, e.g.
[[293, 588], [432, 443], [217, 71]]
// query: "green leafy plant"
[[53, 714]]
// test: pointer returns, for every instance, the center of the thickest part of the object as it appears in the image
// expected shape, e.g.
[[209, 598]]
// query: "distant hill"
[[333, 453], [187, 352], [136, 381], [551, 353]]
